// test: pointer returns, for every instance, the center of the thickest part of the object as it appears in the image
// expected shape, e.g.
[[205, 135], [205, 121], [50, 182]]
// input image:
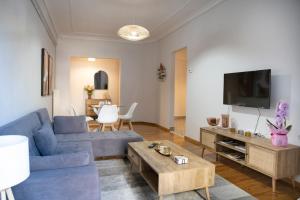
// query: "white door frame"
[[172, 79]]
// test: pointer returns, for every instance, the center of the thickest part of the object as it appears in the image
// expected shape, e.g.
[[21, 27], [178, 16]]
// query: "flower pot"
[[279, 138]]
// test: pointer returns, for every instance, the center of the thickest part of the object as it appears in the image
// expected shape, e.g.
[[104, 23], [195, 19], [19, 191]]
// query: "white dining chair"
[[127, 117], [108, 115], [74, 113], [97, 109]]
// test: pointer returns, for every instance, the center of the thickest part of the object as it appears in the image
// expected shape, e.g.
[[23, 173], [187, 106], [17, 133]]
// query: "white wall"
[[22, 36], [138, 79], [236, 36]]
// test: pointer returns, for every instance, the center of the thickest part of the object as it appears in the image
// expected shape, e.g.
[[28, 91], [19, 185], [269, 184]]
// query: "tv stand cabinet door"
[[208, 140], [264, 160]]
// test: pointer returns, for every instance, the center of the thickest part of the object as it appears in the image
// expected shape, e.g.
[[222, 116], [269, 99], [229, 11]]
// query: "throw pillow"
[[45, 140]]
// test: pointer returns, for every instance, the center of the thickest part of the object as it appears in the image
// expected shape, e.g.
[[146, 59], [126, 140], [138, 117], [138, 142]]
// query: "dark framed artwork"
[[45, 73], [101, 80]]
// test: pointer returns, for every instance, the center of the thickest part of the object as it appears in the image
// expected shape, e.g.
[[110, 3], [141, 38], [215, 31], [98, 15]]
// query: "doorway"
[[180, 84], [83, 72]]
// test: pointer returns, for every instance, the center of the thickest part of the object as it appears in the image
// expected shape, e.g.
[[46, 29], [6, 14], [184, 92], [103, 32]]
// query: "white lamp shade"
[[14, 160], [133, 32]]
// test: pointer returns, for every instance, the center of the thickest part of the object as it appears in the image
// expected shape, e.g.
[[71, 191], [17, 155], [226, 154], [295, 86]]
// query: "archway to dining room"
[[103, 74]]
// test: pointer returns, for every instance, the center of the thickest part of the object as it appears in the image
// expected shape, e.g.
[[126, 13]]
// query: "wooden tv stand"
[[259, 154]]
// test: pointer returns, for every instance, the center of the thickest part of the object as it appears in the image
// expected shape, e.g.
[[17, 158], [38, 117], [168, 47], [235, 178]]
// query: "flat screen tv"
[[249, 89]]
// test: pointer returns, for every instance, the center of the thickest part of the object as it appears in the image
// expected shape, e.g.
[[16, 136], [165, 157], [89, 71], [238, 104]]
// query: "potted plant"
[[280, 129], [89, 89]]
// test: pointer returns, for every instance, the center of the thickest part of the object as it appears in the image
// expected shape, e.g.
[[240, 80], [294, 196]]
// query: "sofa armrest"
[[69, 124], [59, 161]]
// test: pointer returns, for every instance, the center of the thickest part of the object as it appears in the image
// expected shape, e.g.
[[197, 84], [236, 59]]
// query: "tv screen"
[[250, 89]]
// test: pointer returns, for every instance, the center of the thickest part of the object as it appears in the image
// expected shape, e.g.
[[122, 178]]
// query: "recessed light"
[[92, 59]]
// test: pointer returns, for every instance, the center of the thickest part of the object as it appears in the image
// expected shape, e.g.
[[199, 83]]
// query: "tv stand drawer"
[[208, 140], [262, 159]]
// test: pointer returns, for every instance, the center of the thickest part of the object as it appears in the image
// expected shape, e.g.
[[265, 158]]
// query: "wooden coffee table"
[[164, 176]]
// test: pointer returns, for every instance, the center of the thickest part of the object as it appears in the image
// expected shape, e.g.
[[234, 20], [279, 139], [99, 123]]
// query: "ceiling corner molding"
[[95, 37], [210, 6], [45, 18]]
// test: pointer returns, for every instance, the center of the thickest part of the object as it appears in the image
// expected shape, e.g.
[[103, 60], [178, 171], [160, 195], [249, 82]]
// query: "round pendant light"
[[133, 32]]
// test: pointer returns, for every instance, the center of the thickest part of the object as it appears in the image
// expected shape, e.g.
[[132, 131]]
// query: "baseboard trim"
[[191, 140], [151, 124]]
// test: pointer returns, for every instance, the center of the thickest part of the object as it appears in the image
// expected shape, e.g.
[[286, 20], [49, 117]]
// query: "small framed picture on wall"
[[47, 73], [50, 79]]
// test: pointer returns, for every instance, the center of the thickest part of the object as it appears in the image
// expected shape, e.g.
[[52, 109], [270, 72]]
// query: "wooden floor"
[[258, 185]]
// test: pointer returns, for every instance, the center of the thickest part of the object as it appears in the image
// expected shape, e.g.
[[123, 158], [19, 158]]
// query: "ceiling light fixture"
[[92, 59], [133, 32]]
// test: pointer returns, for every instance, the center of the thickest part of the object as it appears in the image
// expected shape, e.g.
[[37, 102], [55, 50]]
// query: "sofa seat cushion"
[[75, 183], [104, 143], [74, 137], [59, 161], [72, 147], [114, 143], [90, 136], [45, 140], [27, 126]]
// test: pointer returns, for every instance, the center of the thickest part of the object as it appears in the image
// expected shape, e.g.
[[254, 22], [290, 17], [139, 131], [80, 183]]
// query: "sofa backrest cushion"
[[45, 140], [43, 116], [69, 124], [26, 126]]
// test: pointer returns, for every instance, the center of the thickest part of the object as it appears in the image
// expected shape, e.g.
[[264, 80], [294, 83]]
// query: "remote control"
[[152, 145]]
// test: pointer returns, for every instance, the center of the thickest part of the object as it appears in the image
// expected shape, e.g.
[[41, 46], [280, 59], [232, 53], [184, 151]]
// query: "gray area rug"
[[119, 183]]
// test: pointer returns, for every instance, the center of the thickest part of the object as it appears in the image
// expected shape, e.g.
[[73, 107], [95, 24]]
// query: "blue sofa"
[[70, 172]]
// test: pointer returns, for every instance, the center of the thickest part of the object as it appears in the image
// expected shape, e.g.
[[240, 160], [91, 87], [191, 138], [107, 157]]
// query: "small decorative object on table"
[[232, 130], [89, 89], [180, 159], [247, 134], [225, 121], [241, 132], [212, 121], [280, 129], [164, 150]]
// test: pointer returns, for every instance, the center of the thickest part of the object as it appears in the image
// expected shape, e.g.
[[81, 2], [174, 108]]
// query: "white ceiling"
[[103, 18]]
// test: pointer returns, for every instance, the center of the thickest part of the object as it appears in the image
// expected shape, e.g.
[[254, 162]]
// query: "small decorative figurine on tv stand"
[[212, 121]]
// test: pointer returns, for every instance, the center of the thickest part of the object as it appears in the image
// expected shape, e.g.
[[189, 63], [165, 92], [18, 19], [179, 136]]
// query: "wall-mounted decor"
[[51, 74], [101, 80], [161, 72], [46, 73]]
